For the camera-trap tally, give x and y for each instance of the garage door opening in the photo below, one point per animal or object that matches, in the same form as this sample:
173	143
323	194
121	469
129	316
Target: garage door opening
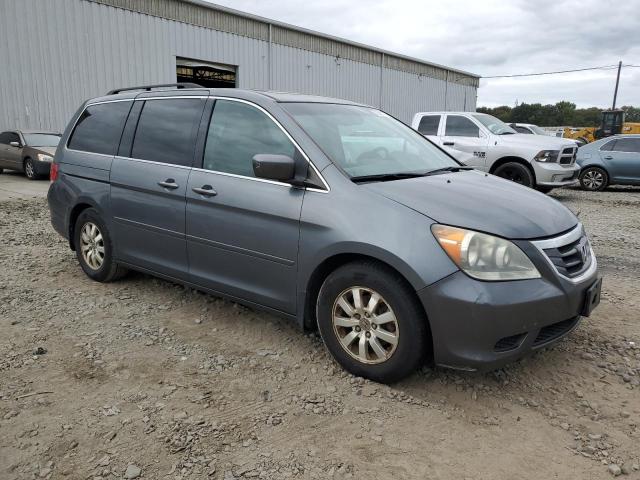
209	75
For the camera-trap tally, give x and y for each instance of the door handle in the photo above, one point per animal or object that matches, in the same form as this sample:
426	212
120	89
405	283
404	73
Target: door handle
206	191
169	183
448	144
608	157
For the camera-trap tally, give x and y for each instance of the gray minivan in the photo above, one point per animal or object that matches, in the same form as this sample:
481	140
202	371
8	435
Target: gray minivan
328	212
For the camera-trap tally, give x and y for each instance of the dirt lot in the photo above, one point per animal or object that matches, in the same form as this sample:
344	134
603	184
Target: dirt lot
146	378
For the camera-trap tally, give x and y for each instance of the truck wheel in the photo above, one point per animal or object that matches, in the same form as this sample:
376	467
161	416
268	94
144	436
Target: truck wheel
594	179
516	172
94	248
371	322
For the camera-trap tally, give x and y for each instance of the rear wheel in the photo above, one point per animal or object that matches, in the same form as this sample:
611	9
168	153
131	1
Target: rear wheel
371	322
94	248
594	179
30	169
516	172
543	189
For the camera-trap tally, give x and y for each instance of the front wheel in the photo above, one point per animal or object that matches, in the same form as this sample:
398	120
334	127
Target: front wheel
516	172
594	179
94	248
30	169
371	322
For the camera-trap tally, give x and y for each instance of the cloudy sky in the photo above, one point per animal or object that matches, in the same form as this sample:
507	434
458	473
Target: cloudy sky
491	37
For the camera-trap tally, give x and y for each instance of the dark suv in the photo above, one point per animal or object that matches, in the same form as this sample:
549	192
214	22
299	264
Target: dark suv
328	212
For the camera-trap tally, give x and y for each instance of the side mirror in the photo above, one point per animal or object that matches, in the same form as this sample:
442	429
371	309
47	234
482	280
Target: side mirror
280	168
15	144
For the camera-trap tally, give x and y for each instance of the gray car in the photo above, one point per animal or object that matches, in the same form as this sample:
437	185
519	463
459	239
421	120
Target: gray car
610	161
330	213
30	152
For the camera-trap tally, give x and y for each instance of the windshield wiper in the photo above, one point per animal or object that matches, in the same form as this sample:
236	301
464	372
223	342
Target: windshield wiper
384	177
456	168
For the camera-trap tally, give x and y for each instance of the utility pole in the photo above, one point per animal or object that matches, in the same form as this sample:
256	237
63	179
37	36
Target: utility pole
615	93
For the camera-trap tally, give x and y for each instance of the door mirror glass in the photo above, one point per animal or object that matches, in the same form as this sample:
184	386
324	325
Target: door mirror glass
280	168
15	144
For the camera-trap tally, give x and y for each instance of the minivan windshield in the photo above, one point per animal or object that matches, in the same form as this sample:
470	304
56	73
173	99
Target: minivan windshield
41	139
367	143
495	126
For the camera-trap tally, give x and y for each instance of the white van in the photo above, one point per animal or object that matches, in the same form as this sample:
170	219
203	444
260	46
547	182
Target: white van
488	144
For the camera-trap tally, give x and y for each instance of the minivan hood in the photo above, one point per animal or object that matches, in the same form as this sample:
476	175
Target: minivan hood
482	202
542	142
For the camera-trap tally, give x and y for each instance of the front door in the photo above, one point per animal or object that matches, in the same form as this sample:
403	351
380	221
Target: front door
242	232
464	140
148	186
623	161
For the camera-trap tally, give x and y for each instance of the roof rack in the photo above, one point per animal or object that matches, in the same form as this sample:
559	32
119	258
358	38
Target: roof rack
148	88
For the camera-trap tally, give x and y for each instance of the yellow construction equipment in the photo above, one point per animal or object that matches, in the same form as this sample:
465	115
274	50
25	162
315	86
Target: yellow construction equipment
612	123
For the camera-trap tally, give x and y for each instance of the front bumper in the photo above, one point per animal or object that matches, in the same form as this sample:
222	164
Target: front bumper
479	325
42	168
555	174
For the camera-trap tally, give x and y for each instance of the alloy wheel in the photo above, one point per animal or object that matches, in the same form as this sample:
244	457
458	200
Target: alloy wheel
593	179
28	169
365	325
92	245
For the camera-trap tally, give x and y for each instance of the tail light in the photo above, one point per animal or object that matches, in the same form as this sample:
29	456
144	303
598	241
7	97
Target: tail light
53	173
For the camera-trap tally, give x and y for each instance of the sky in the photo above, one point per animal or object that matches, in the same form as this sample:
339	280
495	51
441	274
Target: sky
489	37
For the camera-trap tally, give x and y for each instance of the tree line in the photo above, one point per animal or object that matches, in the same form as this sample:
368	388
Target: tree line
560	114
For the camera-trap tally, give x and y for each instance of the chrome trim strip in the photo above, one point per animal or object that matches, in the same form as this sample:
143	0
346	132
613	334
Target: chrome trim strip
562	240
570	236
152	162
255	179
109	101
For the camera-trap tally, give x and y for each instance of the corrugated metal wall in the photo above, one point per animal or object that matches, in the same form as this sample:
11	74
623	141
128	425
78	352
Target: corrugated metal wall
70	50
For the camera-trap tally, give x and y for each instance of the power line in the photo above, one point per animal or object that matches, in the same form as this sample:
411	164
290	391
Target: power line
603	67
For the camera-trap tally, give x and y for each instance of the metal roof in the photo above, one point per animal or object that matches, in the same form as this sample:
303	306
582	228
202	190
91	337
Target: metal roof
209	15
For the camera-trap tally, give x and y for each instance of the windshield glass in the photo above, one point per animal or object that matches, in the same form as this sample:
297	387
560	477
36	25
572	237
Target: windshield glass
537	130
495	126
364	141
41	139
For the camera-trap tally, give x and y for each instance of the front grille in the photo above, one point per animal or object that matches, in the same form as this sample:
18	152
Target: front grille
509	343
568	156
572	258
553	331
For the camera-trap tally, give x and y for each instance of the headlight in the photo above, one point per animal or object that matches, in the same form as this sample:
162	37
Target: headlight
45	158
483	256
547	156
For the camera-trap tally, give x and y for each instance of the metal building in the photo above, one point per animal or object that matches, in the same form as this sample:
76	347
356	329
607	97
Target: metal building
57	53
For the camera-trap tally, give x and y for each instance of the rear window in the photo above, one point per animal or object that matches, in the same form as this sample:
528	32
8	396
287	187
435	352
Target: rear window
167	130
429	124
99	128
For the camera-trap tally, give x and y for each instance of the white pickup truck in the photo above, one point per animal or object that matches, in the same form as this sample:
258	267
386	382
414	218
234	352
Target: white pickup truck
486	143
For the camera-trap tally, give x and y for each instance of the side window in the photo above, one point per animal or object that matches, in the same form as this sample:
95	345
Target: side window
99	128
607	147
238	132
167	130
4	138
458	126
429	125
631	145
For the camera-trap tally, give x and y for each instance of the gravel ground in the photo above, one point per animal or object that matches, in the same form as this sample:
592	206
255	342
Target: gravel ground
146	379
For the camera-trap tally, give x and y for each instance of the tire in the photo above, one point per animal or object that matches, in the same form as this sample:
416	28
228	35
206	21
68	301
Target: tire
1	171
543	189
30	170
581	141
401	338
594	179
516	172
94	248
